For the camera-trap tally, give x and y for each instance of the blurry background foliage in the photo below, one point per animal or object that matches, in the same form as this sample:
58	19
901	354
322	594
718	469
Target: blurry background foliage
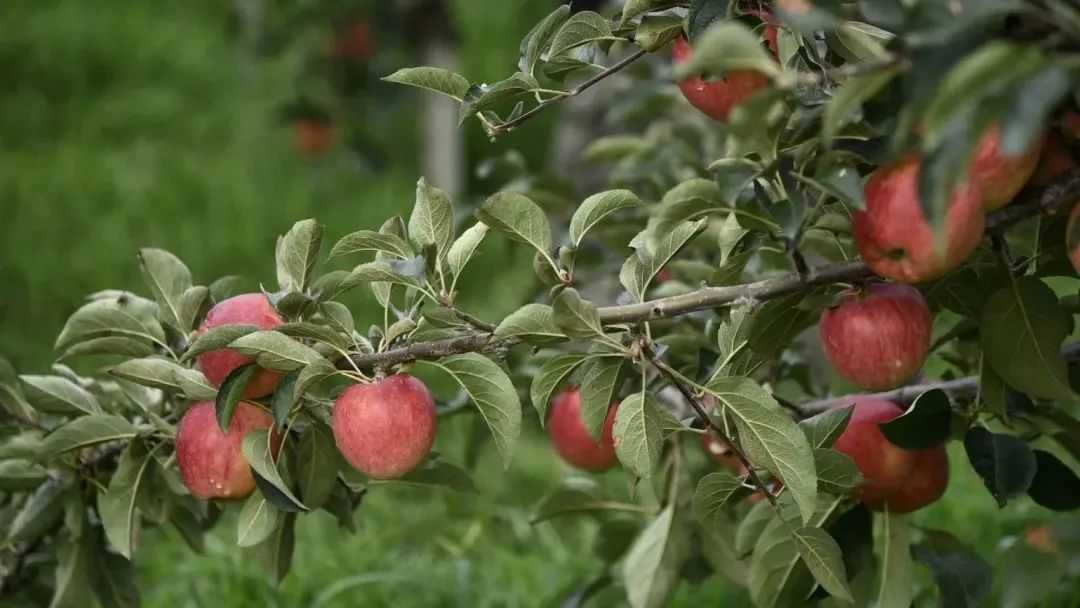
127	123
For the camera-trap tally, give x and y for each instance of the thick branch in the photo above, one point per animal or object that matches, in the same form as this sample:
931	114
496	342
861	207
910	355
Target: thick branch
906	394
1029	205
510	125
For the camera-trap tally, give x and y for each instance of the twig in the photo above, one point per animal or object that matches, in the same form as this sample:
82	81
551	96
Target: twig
848	70
510	125
906	394
1030	204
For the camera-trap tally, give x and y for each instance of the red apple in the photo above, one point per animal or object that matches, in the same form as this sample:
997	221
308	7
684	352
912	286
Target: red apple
247	309
925	484
1054	162
386	428
313	137
1072	238
884	466
1041	538
719	451
717	98
895	238
1001	177
877	337
210	461
573	441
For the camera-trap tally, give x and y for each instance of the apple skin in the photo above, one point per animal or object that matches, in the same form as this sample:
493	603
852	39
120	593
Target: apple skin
719	452
386	428
313	138
885	467
573	442
717	98
1072	238
246	309
895	238
877	338
211	462
1001	177
926	484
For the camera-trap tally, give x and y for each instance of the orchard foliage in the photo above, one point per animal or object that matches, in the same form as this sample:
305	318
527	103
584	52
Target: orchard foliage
877	135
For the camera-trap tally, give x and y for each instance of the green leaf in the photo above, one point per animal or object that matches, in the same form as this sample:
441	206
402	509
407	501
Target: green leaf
1055	486
256	450
582	28
822	555
1022	330
432	219
539	37
656	31
113	579
116	506
433	79
822	430
316	332
483	96
926	424
752	526
637	434
736	356
441	474
376	272
317	465
533	323
368	240
519	218
86	431
41	510
24	445
727	46
776	323
277	551
119	314
114	345
1005	463
170	282
861	41
54	394
651	568
284	398
596	208
714	493
548	379
296	254
846	104
837	474
217	338
771	438
20	475
71	580
274	350
232	393
154	372
338	317
897	572
258	520
494	395
651	253
575	317
962	577
599	379
195	386
464	247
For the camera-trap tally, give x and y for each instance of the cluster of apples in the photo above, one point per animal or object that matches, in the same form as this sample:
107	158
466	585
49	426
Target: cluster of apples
384	429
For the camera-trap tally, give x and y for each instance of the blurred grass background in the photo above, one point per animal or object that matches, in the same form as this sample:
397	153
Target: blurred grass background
129	123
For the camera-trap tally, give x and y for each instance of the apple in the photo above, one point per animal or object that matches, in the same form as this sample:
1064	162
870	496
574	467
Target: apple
1001	177
1041	538
313	137
895	238
719	451
572	440
877	337
925	484
210	461
247	309
884	466
386	428
717	98
1054	162
356	41
1072	238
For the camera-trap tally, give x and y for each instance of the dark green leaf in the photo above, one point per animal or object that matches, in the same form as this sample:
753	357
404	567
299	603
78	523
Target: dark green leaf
1055	485
537	40
1005	463
217	338
822	430
599	379
926	424
317	465
963	578
256	450
116	506
285	397
440	473
231	394
637	434
837	474
548	379
42	510
257	521
714	493
822	556
86	431
582	28
727	46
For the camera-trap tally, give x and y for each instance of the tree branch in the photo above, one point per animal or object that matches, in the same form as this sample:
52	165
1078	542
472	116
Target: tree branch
510	125
906	394
1029	204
